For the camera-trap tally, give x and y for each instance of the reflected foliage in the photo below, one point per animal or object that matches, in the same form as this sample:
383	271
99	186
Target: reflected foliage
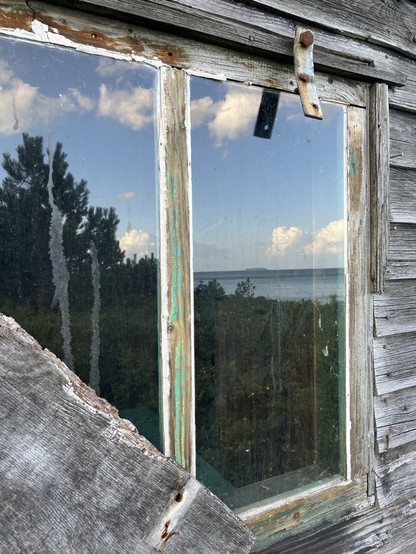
128	288
266	384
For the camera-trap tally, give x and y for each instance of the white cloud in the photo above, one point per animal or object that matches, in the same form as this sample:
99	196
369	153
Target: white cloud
235	116
202	110
84	102
230	118
283	239
109	68
137	242
133	108
126	195
328	240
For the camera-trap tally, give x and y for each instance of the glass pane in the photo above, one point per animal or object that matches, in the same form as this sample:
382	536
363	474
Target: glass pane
78	240
268	212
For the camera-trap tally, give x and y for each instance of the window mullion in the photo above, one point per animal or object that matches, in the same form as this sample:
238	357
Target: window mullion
176	334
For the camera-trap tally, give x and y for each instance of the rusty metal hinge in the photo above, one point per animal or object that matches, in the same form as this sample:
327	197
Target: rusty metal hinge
305	76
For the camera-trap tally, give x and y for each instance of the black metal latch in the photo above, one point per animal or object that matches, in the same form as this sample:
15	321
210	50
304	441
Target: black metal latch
304	72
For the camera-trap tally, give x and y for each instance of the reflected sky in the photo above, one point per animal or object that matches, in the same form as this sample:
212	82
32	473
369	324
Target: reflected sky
102	112
276	203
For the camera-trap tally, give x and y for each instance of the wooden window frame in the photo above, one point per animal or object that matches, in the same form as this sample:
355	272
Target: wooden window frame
367	125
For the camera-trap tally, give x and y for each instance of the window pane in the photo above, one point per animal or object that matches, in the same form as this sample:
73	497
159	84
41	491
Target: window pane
78	243
268	212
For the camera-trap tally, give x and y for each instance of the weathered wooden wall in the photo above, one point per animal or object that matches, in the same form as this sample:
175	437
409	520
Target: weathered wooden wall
370	40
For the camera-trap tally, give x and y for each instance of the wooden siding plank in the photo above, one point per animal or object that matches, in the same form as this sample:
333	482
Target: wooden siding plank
403	139
402	242
403	195
395	415
75	477
247	28
395	362
176	299
395	309
379	144
379	22
396	475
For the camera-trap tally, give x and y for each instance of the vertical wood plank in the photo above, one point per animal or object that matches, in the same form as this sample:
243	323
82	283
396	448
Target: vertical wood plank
379	142
360	314
177	387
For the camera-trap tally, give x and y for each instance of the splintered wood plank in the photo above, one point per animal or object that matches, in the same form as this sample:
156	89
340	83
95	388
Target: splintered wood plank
75	477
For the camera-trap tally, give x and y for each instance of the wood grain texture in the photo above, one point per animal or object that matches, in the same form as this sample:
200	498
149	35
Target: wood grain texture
74	477
403	195
379	22
360	300
253	30
394	362
395	414
307	511
379	144
403	139
176	278
396	475
379	531
395	309
88	31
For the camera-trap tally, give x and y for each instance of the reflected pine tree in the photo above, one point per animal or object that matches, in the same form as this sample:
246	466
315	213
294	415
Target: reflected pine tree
128	288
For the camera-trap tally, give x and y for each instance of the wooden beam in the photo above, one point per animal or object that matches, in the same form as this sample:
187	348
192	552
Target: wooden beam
74	477
253	30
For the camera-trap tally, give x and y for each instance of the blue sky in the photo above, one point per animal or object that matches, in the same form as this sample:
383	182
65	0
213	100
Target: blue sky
102	110
275	203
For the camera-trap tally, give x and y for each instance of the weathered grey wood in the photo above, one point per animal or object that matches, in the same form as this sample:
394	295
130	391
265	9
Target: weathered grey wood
385	532
396	475
395	310
223	22
395	415
74	477
403	195
403	139
395	362
360	307
405	97
379	138
400	270
307	512
380	22
90	31
402	242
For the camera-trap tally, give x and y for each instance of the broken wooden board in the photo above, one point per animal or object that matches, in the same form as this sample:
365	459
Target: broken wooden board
75	477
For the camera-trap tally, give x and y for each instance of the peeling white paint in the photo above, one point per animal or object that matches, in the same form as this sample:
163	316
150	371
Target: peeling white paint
50	35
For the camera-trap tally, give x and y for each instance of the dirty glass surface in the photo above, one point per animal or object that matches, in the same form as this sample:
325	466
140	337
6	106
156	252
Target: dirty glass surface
78	248
268	214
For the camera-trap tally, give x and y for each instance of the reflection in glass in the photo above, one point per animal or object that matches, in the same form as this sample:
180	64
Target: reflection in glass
268	212
77	251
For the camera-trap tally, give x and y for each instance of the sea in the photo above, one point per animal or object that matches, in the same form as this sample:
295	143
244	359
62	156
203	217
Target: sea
282	284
